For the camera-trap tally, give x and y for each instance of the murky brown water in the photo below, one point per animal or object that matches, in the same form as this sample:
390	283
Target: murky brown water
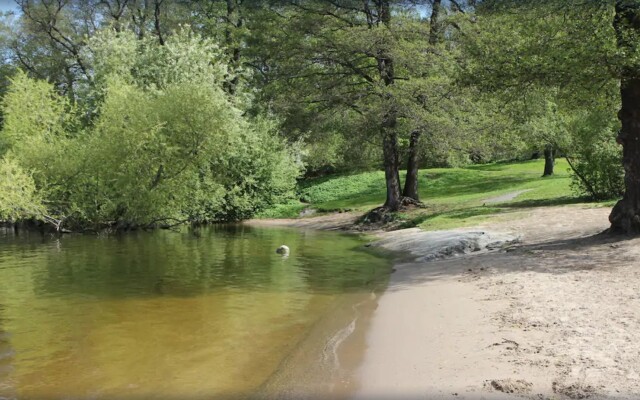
196	314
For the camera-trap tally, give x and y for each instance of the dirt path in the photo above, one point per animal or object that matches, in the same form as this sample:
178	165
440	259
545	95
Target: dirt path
506	197
556	317
332	222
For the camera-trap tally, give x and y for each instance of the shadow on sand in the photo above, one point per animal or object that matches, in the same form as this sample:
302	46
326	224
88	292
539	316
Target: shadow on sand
554	256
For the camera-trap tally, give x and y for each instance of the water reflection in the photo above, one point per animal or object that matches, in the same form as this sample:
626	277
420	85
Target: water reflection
210	312
6	360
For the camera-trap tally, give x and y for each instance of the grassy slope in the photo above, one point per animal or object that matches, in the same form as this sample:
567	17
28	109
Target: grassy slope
454	196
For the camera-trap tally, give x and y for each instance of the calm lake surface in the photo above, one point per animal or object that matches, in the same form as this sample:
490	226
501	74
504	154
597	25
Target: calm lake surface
203	313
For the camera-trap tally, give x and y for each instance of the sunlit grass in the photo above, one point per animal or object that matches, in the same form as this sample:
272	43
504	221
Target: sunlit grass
453	196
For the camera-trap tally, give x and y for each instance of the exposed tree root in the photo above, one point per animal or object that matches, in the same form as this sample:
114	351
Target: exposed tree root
385	218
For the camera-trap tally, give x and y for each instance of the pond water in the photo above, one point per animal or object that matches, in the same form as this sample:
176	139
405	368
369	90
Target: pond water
201	313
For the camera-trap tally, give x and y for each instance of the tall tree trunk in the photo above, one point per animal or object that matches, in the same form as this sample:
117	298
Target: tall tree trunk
156	21
389	121
411	180
549	160
413	159
625	216
234	23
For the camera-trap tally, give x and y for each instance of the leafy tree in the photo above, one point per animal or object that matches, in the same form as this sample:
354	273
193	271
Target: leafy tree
560	64
353	61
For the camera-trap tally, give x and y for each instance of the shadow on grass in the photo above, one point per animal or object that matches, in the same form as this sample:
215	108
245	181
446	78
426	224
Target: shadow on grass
450	184
504	165
558	201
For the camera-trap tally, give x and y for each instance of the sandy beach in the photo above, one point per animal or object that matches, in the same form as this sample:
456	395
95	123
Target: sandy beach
555	316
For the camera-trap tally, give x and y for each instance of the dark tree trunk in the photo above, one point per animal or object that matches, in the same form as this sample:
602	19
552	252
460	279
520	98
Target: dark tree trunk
390	151
156	22
625	216
389	121
411	180
549	160
234	22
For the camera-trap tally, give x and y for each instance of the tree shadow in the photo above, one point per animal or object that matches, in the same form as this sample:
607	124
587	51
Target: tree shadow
448	184
558	201
555	256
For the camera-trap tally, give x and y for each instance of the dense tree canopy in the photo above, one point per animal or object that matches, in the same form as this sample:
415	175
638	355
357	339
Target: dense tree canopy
144	113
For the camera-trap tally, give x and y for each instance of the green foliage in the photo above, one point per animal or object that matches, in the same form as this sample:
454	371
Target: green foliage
557	65
258	171
596	157
33	112
524	45
18	197
165	145
186	57
599	172
160	119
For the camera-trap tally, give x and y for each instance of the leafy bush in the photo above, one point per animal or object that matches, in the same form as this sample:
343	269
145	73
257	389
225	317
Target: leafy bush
18	197
164	143
598	172
595	157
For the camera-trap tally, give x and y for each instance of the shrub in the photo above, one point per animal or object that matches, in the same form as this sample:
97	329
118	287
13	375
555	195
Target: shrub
594	156
162	145
18	197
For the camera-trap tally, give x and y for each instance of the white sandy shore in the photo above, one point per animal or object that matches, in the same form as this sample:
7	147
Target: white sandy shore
556	317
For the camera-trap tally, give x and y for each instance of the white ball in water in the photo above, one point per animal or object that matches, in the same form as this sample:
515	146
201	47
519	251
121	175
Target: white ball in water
284	250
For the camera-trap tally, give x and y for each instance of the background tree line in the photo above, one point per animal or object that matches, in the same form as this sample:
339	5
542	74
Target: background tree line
145	112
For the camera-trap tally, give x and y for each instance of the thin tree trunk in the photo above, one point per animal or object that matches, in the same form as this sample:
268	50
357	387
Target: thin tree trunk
411	180
234	22
413	159
549	160
390	151
156	23
625	216
398	169
141	20
585	181
70	91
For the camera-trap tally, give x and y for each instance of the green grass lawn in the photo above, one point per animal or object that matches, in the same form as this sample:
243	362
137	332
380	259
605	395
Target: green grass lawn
453	196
